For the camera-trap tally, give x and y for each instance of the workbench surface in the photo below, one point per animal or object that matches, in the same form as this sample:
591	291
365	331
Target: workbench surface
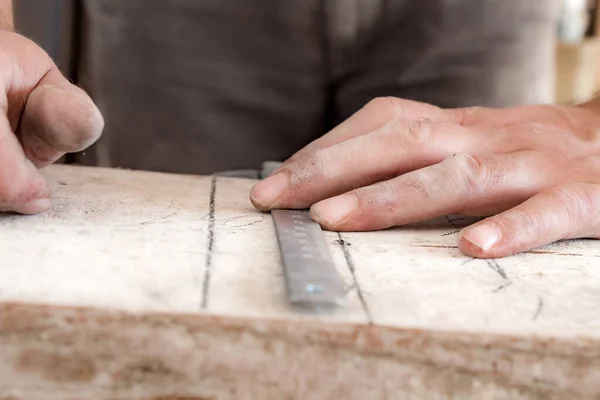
141	285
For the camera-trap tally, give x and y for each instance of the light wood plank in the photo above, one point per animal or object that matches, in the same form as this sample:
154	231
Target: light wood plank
124	240
419	278
138	286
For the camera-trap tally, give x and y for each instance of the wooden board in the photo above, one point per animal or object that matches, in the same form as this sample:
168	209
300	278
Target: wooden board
140	285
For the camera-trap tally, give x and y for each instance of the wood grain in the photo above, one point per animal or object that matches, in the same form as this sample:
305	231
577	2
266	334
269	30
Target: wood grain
140	285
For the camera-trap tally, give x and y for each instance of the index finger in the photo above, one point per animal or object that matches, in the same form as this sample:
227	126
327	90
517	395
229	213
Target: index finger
394	149
377	113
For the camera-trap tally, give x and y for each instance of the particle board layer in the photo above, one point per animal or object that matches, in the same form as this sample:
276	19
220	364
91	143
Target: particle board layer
152	286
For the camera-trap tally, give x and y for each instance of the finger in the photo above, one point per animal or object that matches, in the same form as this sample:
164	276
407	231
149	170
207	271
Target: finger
22	188
458	183
564	212
376	114
395	148
58	118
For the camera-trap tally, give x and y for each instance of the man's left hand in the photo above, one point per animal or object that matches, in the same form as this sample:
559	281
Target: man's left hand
534	171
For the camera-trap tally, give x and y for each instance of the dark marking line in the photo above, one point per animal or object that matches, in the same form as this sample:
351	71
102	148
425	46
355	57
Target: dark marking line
350	263
502	287
342	242
493	264
451	233
158	219
467	261
211	241
538	311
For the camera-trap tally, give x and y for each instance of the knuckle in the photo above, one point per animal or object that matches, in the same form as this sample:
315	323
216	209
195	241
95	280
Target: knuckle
467	162
416	135
473	111
386	105
469	115
477	173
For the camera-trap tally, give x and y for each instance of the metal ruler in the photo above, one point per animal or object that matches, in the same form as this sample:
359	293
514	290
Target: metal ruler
311	277
312	280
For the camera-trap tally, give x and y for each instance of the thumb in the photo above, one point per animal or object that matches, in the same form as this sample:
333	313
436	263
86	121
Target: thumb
58	118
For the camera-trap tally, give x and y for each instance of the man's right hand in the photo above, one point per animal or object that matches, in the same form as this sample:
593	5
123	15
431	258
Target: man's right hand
43	116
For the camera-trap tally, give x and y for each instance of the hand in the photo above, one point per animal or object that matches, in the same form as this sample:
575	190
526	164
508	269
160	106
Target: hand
534	169
42	117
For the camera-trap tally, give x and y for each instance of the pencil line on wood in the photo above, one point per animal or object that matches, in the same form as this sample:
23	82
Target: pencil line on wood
502	287
210	242
451	233
538	311
351	267
493	264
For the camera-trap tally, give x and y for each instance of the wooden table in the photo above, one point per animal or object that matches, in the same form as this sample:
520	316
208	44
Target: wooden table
140	285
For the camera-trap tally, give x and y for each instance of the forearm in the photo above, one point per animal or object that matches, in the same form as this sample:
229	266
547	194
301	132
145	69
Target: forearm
6	15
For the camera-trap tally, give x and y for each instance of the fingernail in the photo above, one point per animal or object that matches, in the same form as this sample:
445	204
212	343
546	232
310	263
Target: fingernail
35	206
483	236
332	211
266	192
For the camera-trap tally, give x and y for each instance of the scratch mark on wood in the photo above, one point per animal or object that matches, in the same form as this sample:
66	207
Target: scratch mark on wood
502	287
493	264
350	263
153	221
538	311
211	242
243	220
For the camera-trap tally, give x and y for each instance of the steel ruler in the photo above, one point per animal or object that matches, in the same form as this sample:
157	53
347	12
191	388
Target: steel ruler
311	278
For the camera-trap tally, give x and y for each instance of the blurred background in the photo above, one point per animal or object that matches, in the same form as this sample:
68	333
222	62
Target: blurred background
62	28
59	27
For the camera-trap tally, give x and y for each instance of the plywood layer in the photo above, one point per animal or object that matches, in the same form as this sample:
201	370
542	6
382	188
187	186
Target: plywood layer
140	285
